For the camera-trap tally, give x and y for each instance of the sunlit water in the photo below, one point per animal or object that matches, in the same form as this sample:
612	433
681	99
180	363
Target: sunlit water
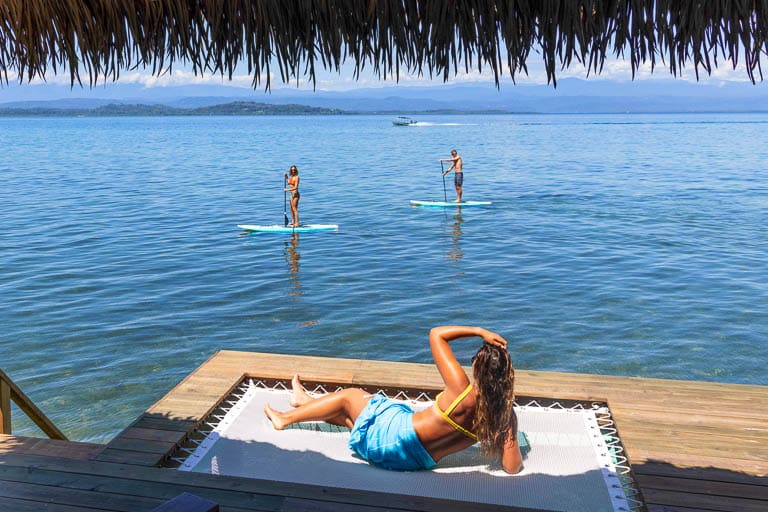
626	245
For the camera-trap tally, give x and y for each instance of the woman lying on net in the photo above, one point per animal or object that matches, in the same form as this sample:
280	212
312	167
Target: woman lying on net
390	434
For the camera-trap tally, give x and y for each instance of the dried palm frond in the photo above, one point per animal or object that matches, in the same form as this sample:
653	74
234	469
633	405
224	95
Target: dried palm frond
102	38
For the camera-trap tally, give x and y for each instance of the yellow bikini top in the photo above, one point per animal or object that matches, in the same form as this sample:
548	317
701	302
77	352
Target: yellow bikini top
446	413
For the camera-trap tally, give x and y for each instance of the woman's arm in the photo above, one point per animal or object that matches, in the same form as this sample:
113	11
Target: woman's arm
439	342
511	458
293	185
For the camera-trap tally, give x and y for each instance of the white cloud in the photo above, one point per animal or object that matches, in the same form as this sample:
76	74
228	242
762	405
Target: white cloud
614	69
178	77
184	77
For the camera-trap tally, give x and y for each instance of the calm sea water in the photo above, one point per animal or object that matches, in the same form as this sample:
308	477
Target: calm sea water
626	245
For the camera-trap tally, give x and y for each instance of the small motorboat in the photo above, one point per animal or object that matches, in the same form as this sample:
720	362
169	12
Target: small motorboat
403	121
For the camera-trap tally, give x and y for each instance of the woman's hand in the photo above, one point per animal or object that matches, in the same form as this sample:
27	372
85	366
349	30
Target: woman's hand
451	371
448	333
493	338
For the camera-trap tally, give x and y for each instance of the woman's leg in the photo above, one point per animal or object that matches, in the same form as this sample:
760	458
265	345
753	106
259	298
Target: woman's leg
345	405
299	397
295	210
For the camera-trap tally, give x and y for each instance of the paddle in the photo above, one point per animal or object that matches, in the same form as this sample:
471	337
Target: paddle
442	170
285	200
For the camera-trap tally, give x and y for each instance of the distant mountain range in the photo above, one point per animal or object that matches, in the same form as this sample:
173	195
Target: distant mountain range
81	108
571	96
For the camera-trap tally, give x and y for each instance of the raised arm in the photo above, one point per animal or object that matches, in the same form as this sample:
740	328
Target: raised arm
439	342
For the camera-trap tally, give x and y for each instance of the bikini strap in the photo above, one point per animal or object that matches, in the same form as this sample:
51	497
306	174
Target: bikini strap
458	400
450	409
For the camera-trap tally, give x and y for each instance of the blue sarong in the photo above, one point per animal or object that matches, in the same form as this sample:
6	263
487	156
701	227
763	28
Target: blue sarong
383	435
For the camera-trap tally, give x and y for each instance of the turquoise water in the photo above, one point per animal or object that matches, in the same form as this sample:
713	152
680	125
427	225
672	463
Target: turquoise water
626	245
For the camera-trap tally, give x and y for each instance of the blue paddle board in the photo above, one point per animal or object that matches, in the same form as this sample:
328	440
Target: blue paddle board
276	228
450	203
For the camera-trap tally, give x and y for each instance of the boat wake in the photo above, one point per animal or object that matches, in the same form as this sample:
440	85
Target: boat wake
423	123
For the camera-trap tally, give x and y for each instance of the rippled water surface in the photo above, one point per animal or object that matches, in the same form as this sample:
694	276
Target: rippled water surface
627	245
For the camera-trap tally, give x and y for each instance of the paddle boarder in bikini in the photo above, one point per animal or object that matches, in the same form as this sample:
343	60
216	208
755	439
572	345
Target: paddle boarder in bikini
458	172
293	187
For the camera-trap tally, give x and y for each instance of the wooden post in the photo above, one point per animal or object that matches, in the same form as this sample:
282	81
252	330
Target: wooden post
10	391
5	407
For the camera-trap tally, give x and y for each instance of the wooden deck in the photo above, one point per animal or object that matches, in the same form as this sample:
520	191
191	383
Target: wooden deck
693	446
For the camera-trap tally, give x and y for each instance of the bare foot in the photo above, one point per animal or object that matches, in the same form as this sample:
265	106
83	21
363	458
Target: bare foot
299	395
457	200
274	417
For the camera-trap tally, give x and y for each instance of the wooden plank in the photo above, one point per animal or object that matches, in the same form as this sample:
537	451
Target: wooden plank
305	505
708	487
149	459
685	439
187	407
284	366
15	505
187	396
667	508
662	406
186	411
639	456
659	402
202	382
701	473
148	434
5	407
721	404
659	439
675	499
158	422
186	502
48	447
644	382
142	445
43	494
641	413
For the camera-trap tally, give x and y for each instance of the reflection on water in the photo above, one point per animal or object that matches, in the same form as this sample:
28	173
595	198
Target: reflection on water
292	257
455	252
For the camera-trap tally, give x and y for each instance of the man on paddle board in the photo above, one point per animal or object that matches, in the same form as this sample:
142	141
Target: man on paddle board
458	172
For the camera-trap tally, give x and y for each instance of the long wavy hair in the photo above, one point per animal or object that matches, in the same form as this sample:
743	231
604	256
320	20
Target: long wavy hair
495	419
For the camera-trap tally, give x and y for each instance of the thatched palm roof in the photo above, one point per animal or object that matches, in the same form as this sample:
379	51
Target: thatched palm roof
438	38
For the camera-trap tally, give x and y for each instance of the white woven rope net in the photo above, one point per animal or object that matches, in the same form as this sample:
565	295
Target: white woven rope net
617	472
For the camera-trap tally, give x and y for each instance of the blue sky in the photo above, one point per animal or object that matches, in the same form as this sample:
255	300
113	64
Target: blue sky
615	70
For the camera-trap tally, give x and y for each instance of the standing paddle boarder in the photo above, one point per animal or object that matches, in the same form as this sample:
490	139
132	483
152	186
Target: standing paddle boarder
293	187
458	172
